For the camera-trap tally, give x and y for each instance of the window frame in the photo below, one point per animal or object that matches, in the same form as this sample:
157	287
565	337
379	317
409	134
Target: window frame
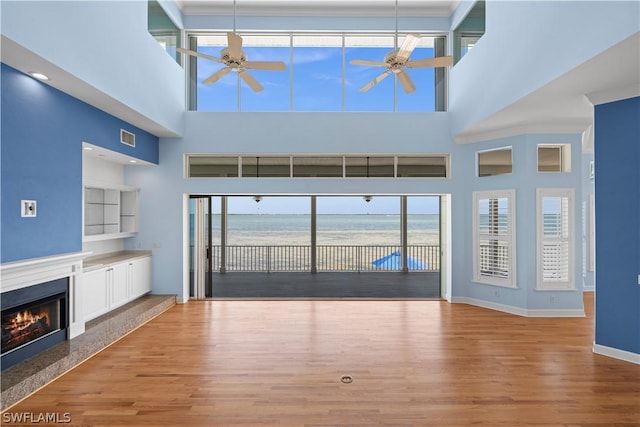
493	150
509	239
441	81
292	164
564	157
541	239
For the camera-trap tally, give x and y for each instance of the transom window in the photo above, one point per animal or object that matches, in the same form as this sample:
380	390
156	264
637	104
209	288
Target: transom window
316	166
554	158
495	162
318	74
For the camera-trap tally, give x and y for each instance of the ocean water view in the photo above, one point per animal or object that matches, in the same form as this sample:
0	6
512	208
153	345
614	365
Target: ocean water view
332	229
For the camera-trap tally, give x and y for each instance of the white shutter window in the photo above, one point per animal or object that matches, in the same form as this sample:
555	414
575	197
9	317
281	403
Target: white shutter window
555	228
494	237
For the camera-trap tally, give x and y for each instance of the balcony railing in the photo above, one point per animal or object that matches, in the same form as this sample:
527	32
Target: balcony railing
328	258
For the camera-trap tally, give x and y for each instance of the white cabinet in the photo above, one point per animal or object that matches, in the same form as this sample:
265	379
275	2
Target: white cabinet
95	294
109	212
111	286
118	278
141	277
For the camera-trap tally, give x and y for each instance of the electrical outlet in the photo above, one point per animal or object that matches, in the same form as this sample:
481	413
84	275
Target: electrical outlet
496	294
552	299
28	208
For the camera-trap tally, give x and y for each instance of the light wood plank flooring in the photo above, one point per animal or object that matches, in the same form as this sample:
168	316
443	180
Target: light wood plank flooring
422	363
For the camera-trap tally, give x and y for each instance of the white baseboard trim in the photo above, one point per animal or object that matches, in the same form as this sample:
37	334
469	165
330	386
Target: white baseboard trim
519	311
569	312
490	305
627	356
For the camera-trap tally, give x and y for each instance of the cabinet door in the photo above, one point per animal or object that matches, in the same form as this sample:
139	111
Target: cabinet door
95	293
141	283
119	284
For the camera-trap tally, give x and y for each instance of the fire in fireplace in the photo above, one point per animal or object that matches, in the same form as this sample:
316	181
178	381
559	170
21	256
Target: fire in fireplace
29	323
33	319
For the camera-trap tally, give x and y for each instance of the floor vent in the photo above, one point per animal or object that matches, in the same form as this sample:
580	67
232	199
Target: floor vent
127	138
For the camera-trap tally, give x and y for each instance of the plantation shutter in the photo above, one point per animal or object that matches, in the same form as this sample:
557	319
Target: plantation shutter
555	240
494	237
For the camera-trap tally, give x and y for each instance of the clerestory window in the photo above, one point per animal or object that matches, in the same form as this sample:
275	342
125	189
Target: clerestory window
318	75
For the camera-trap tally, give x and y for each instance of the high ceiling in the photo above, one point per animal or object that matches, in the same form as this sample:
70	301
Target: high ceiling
319	7
565	105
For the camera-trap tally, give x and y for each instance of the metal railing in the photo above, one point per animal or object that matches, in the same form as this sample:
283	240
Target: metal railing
355	258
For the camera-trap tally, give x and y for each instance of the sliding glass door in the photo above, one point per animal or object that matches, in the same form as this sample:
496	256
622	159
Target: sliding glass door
201	236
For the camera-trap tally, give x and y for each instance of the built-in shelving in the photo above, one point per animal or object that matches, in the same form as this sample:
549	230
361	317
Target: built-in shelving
110	212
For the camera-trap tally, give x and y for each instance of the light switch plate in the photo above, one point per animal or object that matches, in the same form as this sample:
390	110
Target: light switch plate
28	208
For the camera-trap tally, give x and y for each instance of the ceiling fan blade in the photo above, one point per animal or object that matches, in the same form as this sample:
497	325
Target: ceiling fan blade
199	55
216	76
235	45
441	61
406	82
250	80
368	63
375	81
264	65
409	44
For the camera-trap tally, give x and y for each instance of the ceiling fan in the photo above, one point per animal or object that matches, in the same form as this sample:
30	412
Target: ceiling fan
396	60
235	59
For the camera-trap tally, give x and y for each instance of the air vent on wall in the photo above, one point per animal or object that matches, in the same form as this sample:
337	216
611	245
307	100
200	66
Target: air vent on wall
127	138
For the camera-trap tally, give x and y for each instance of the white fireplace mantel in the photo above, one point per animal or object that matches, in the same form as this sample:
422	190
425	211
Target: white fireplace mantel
20	274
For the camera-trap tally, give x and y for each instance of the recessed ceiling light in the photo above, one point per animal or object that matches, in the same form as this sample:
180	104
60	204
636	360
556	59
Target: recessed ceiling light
38	76
133	161
88	148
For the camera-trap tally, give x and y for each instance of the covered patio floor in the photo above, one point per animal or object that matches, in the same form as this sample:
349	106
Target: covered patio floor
327	285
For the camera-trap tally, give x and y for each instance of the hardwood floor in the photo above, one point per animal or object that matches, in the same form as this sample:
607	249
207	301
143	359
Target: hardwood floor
425	363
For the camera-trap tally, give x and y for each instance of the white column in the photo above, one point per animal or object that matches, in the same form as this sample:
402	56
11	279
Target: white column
314	260
403	233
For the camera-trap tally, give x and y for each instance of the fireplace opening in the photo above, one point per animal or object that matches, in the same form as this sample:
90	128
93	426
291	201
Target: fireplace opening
33	319
29	322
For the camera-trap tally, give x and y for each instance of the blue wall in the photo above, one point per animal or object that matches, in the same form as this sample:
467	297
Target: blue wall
42	130
617	182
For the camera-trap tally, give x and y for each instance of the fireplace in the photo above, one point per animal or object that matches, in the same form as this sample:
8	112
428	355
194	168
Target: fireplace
34	318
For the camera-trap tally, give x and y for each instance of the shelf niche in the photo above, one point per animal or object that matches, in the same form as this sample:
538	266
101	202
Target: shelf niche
109	213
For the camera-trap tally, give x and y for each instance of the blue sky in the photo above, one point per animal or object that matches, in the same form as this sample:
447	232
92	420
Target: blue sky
317	82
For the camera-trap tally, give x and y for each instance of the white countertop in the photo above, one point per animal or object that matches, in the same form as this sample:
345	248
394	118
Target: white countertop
111	258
